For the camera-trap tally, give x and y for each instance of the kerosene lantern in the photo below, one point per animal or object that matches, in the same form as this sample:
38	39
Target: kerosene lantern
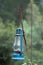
18	47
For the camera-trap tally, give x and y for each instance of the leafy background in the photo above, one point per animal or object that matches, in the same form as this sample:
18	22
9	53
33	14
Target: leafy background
9	22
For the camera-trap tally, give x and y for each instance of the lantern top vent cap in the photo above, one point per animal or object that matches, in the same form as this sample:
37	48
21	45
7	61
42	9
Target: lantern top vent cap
19	28
19	31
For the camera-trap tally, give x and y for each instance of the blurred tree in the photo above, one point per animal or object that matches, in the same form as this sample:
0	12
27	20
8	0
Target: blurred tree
7	34
9	8
8	18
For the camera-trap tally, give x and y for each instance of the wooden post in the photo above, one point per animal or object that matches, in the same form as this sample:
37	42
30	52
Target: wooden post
20	14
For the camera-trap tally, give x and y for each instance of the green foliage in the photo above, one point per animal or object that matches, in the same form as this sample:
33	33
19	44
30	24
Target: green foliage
7	33
5	55
9	8
8	19
37	27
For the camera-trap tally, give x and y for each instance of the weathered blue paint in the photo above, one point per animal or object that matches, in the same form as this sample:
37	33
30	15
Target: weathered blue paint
19	56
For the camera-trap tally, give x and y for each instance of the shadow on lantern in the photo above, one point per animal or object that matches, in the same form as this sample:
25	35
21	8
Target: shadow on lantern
18	49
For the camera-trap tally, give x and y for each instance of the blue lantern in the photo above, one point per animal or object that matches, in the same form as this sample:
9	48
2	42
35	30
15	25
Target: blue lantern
18	50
